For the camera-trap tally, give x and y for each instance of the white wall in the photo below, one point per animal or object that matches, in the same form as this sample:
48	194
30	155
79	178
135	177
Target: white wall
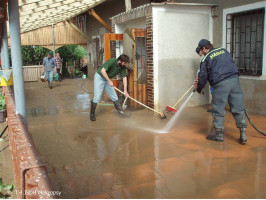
177	31
136	23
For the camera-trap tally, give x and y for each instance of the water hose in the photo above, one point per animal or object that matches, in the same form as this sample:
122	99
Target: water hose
249	119
83	83
253	124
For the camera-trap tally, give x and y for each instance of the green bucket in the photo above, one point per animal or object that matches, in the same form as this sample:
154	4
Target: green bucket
56	76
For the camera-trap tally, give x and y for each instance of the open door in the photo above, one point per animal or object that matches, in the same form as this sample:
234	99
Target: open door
137	78
133	44
113	47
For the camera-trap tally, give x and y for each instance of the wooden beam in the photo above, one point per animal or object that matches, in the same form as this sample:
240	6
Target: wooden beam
39	21
53	9
38	13
77	29
94	14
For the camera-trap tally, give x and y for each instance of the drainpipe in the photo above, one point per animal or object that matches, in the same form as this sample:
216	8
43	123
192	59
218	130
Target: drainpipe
53	39
5	47
2	55
16	52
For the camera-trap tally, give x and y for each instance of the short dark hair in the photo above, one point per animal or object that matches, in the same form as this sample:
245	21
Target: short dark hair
198	50
123	58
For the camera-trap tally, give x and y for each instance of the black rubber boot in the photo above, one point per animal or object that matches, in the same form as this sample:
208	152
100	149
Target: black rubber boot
119	109
243	138
93	108
218	137
49	84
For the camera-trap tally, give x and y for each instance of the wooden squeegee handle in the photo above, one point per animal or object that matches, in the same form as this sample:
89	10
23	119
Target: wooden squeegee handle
183	96
124	102
138	101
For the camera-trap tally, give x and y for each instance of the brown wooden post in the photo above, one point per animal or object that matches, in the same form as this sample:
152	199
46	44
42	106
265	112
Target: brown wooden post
140	95
144	91
131	86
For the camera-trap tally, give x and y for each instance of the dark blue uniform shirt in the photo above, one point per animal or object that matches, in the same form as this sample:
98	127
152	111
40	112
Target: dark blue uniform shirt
216	66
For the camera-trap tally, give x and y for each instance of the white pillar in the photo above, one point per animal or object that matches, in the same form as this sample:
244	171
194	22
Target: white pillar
128	5
5	47
16	56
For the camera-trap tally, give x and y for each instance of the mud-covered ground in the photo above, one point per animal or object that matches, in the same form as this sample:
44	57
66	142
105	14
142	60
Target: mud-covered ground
130	158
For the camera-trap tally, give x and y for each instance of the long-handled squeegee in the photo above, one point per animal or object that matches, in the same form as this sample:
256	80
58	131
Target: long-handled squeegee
162	115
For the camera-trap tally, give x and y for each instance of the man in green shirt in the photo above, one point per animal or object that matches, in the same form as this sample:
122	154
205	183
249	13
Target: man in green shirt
102	80
70	65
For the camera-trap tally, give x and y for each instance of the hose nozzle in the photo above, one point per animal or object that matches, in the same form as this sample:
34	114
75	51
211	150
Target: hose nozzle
196	90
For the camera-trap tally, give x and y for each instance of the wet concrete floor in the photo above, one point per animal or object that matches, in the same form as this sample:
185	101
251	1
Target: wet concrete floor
127	158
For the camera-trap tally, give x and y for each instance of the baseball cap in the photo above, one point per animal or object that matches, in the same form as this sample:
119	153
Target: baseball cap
50	53
203	43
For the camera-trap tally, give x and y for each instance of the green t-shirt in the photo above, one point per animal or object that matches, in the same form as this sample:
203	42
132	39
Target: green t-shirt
70	62
112	68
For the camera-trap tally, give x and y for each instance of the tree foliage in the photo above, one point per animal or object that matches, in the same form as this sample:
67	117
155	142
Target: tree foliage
77	52
34	55
5	188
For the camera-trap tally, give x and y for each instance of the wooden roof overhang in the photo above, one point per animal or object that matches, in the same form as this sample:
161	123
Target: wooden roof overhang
35	14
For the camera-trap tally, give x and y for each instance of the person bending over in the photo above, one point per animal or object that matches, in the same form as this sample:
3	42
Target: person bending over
102	81
219	69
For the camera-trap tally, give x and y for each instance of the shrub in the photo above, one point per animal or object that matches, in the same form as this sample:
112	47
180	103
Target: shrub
2	102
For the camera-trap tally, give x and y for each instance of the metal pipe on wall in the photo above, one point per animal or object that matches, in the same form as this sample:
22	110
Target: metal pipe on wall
53	40
2	55
16	52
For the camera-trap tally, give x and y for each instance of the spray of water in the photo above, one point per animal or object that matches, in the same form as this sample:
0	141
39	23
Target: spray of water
152	130
170	124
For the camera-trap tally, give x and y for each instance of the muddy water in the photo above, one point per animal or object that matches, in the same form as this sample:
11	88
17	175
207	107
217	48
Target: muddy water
125	158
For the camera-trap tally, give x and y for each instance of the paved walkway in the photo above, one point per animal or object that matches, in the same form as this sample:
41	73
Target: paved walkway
128	158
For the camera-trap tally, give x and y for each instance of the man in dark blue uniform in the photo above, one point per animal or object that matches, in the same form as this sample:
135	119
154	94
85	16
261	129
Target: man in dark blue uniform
219	69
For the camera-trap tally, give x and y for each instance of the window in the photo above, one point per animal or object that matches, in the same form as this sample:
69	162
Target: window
244	39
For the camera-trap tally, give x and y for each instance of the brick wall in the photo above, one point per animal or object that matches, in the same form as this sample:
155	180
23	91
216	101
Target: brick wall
29	171
149	49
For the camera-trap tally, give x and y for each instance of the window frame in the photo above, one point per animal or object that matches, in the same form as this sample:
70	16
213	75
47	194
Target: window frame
247	8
